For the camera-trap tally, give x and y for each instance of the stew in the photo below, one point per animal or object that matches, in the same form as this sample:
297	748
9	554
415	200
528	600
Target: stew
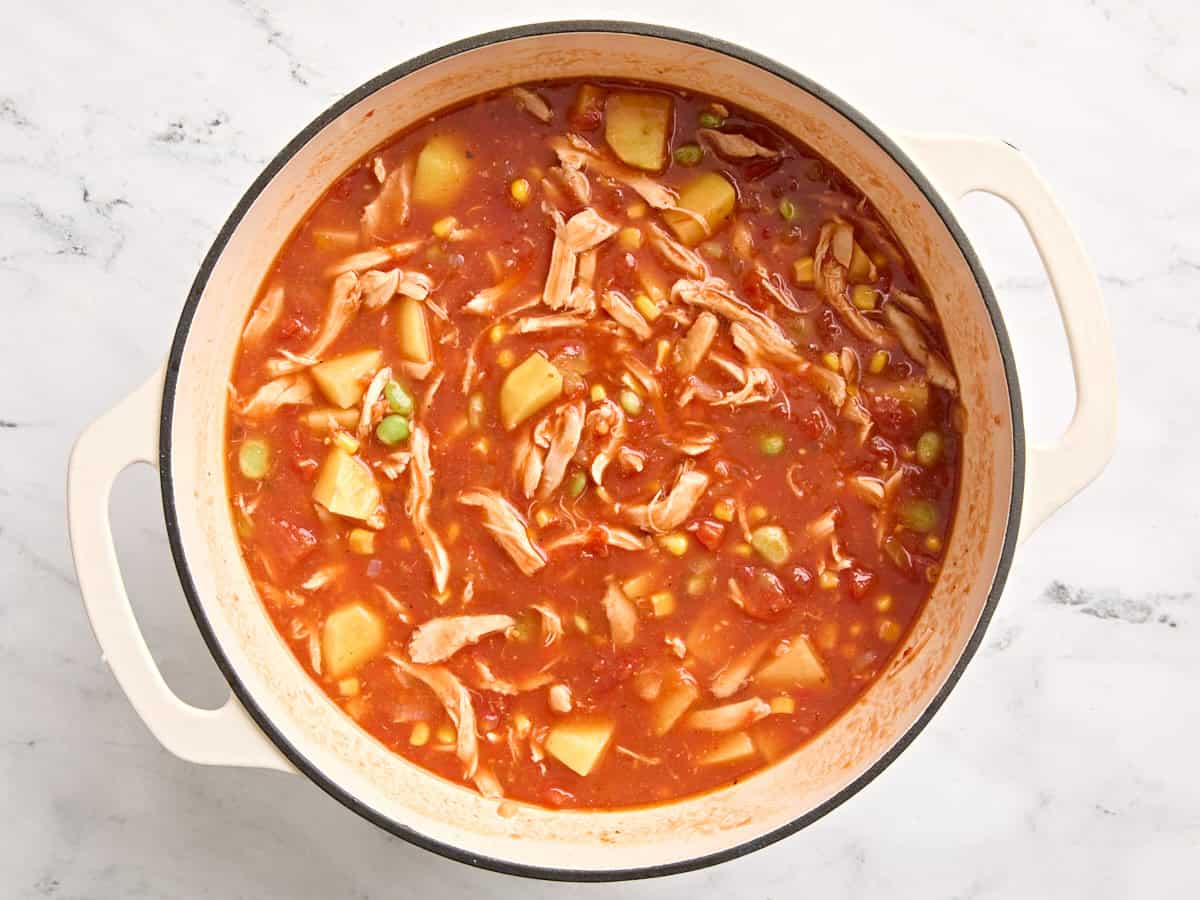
593	444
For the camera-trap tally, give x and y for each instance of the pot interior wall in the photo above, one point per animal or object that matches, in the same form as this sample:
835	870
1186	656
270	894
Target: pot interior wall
392	787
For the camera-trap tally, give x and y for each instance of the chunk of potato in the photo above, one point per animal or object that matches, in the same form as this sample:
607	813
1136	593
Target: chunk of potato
319	420
579	743
413	331
344	378
636	127
353	635
528	388
346	486
731	748
442	171
913	393
588	109
676	698
798	666
862	269
711	197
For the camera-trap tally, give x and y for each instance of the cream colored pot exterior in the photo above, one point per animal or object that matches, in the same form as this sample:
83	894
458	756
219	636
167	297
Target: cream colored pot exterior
310	733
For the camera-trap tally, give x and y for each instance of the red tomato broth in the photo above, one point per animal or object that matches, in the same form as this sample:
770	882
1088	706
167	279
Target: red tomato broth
853	626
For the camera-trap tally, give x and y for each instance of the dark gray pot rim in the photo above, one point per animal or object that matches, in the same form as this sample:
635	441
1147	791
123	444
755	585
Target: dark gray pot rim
294	754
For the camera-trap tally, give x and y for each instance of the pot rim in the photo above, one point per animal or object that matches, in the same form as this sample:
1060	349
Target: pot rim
485	39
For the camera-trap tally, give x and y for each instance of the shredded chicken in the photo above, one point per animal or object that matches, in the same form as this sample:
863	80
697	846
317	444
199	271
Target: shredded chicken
552	626
575	152
611	535
773	286
606	419
914	305
631	460
457	700
484	302
416	506
913	340
558	698
583	295
734	146
831	267
730	677
868	488
675	254
390	208
528	461
507	527
369	259
695	439
690	351
621	308
416	285
587	229
489	681
666	513
758	387
378	287
533	104
488	784
566	429
322	577
554	322
345	298
622	615
439	639
266	314
287	390
370	401
824	524
574	181
644	375
731	716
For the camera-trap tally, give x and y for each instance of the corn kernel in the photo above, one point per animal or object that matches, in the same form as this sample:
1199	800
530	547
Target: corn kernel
802	270
933	543
543	517
742	549
442	227
698	585
663	603
445	734
652	285
879	361
889	630
675	543
783	706
520	190
522	725
827	636
724	509
361	541
828	579
349	687
506	358
346	441
646	307
662	349
757	513
581	623
635	210
453	530
638	585
883	602
496	334
864	296
832	361
630	238
855	629
598	393
419	736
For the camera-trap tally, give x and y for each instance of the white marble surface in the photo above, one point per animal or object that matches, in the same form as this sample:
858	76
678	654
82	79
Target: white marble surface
1065	763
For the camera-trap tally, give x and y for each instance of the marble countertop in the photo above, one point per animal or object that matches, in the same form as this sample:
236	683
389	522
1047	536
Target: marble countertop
1065	762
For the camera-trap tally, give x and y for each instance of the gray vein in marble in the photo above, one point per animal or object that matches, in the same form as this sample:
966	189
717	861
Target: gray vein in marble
1117	606
297	70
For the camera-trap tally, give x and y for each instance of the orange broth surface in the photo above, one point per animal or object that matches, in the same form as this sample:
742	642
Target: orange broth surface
862	491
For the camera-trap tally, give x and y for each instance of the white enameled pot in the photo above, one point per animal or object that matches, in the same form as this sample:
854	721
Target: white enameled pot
279	719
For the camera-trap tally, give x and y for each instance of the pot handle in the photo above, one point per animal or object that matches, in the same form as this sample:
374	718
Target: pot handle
125	435
1054	473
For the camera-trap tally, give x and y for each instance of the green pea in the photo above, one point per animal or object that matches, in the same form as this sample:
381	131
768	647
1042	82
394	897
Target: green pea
771	443
392	430
709	119
929	448
631	402
919	516
788	209
772	544
399	400
254	459
576	484
688	154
